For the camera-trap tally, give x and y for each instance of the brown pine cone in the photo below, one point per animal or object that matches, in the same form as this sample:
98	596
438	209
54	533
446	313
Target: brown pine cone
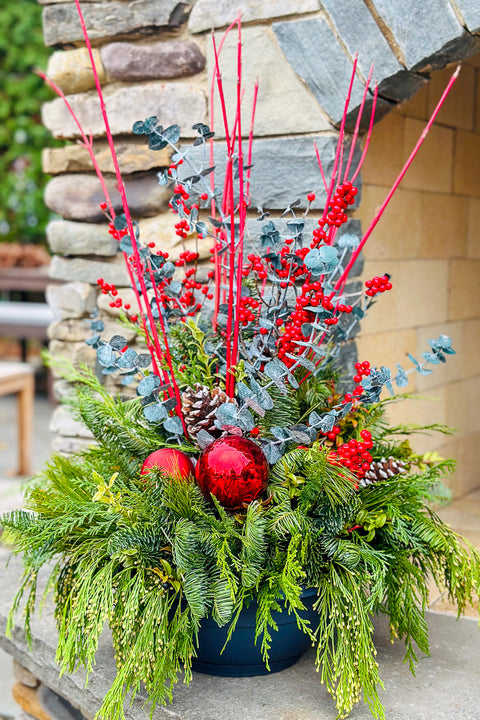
383	469
199	405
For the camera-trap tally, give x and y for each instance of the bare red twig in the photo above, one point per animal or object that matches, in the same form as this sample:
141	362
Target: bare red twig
121	188
397	182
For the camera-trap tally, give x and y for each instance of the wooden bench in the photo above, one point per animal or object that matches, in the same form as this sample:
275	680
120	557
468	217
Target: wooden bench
17	378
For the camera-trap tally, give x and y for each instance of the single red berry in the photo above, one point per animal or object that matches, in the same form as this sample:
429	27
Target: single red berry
311	197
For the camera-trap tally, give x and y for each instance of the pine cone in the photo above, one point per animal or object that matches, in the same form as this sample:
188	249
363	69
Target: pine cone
383	469
199	405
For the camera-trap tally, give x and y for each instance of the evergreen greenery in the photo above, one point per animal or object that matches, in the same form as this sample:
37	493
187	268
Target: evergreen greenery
152	557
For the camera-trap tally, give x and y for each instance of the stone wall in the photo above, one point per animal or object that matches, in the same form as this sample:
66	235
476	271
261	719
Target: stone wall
155	58
429	241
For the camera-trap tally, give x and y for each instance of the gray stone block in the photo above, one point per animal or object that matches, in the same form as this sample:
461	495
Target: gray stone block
106	19
78	197
63	422
74	238
284	169
208	14
167	59
78	354
74	330
70	329
133	155
72	300
427	33
172	103
315	54
361	35
87	271
470	10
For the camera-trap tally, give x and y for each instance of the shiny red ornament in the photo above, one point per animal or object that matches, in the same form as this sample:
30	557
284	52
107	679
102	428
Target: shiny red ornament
234	470
173	462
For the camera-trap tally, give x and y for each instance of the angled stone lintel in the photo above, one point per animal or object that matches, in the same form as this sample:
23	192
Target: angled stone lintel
428	34
361	36
313	51
470	12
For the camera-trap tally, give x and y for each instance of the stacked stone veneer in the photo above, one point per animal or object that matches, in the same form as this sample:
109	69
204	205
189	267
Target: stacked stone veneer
154	58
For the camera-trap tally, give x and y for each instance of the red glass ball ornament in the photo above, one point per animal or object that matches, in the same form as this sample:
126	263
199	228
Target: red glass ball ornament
234	469
173	462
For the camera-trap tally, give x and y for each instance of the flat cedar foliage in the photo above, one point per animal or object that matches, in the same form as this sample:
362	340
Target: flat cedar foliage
150	556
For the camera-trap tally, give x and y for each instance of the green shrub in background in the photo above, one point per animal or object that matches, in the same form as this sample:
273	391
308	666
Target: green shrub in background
23	215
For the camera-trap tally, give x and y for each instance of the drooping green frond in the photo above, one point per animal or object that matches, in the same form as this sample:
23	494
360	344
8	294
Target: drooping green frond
152	556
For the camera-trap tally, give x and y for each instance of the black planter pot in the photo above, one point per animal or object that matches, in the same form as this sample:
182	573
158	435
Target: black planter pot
241	657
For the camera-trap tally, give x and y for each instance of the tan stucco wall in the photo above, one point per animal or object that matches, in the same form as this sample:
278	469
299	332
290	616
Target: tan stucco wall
429	241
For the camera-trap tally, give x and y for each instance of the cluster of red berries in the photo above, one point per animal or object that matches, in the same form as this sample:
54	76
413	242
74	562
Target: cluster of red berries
117	234
255	265
107	288
354	455
336	216
332	434
188	299
290	270
186	257
378	284
245	314
311	296
319	235
117	302
362	369
182	228
180	190
174	165
343	197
